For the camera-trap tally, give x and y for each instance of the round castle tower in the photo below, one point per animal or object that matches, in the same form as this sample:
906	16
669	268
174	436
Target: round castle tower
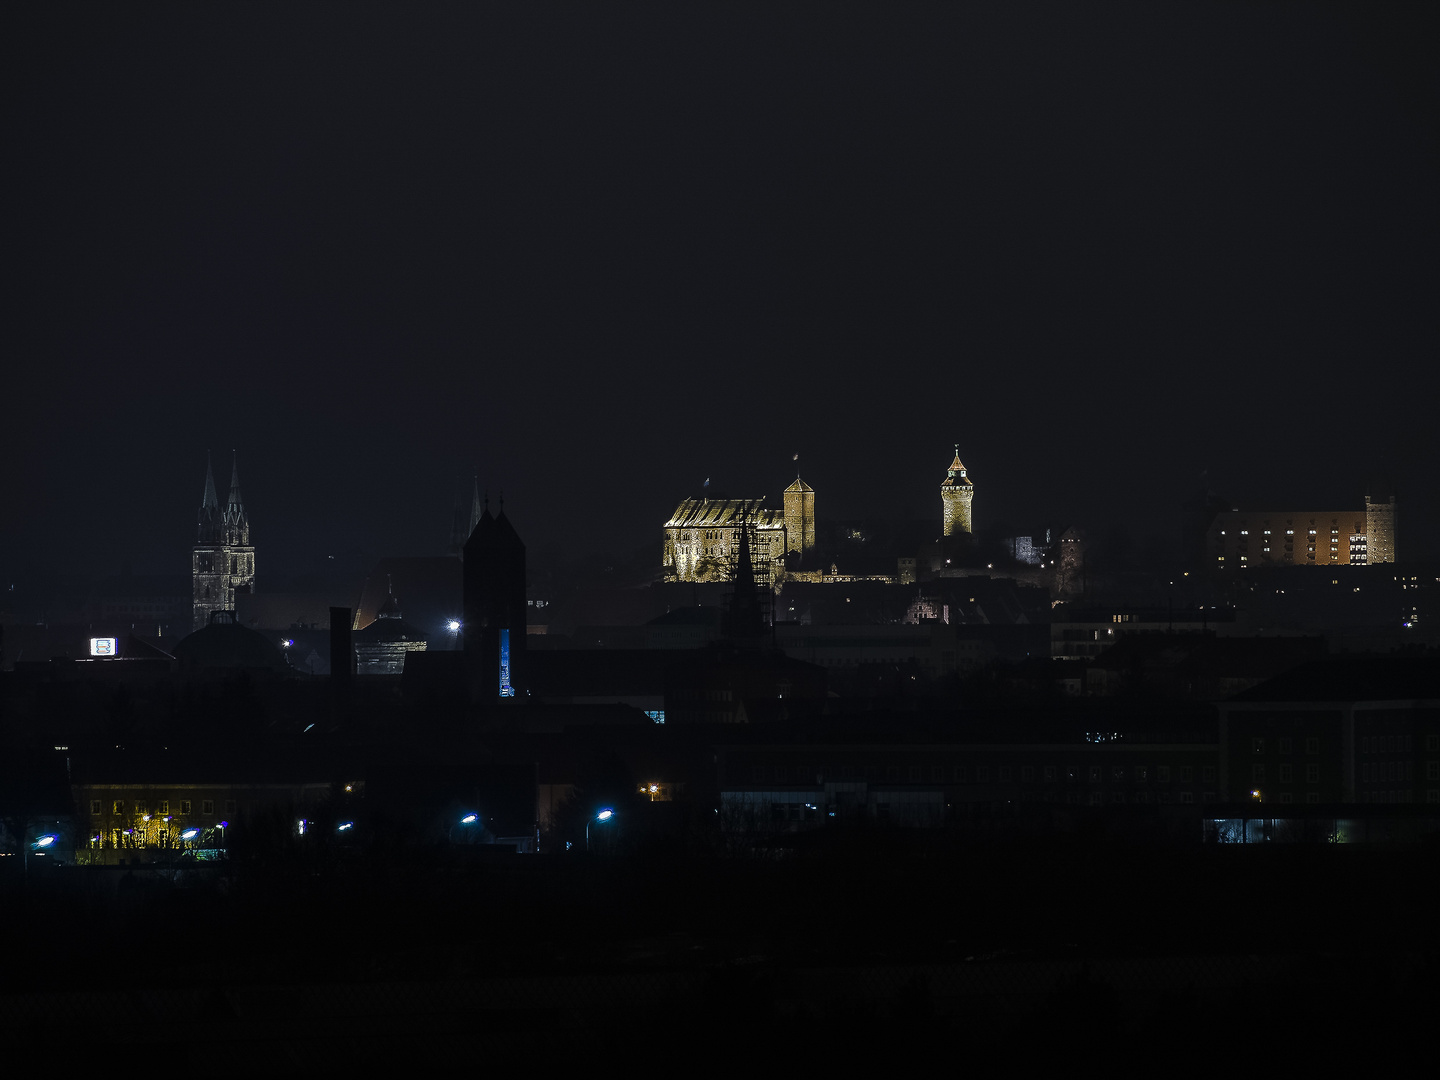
956	495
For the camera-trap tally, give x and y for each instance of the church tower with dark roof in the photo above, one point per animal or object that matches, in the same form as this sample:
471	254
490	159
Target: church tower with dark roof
956	495
222	563
493	586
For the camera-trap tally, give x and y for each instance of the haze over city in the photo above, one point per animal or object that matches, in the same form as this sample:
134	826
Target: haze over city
599	256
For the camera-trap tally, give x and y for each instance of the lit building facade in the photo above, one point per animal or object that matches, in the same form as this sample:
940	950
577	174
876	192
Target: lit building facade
1239	540
702	537
381	647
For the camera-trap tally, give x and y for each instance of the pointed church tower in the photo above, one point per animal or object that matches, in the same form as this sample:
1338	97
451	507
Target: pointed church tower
237	525
212	522
745	617
460	524
475	507
493	586
222	562
956	495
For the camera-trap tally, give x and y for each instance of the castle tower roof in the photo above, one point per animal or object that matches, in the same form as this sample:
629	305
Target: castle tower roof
799	485
955	475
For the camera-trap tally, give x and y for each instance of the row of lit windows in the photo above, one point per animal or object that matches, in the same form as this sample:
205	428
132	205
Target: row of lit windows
162	807
1395	772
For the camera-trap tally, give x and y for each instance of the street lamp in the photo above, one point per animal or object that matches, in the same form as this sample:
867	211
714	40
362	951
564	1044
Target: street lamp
603	815
470	818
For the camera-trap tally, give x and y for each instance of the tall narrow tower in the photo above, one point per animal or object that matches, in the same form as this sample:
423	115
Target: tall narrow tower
493	588
1380	527
799	516
222	562
956	495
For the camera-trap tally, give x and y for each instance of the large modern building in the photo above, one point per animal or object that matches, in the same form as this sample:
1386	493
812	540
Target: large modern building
1241	539
223	560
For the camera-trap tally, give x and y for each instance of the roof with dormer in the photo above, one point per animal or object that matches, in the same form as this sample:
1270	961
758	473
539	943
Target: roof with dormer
724	513
955	475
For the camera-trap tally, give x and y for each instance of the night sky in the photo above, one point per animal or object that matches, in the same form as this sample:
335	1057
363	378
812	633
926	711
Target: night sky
602	252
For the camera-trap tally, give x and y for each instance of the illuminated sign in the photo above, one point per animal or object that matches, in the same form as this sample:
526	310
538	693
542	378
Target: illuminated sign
506	690
103	646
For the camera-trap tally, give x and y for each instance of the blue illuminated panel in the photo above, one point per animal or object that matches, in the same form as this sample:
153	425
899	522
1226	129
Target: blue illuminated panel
506	690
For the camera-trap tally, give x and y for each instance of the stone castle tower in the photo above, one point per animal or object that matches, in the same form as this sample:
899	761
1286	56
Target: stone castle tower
1380	529
222	562
799	516
956	495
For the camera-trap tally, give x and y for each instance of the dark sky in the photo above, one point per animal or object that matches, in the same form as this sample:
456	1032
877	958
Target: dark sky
602	252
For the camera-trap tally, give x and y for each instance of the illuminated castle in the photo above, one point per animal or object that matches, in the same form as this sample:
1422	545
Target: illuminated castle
1239	540
956	495
223	561
703	536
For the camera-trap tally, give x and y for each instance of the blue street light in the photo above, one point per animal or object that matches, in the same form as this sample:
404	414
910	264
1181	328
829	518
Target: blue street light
470	819
603	815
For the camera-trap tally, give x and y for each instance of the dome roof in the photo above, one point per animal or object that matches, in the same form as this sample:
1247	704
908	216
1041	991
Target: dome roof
226	645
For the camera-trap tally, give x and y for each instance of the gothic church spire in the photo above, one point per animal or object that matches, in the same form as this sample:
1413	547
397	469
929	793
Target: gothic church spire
209	519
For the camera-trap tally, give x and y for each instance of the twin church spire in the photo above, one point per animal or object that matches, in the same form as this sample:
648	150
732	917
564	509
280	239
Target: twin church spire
223	561
232	525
